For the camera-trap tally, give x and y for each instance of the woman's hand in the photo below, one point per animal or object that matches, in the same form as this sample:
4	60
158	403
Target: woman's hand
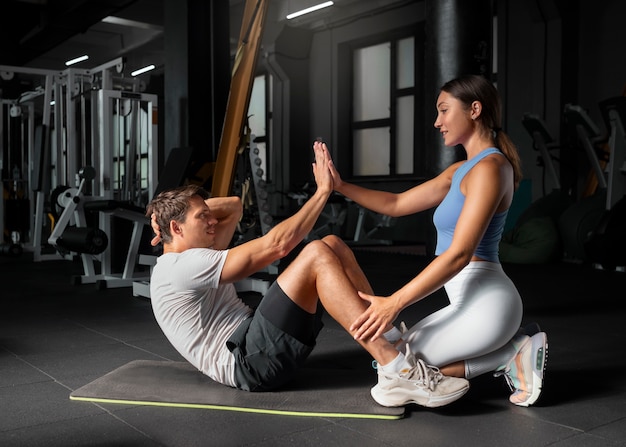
156	240
373	323
337	182
323	177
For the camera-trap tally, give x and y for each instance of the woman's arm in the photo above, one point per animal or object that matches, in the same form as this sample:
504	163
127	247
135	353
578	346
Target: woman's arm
419	198
484	190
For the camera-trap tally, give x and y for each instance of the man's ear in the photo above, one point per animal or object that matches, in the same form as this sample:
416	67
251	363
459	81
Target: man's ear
175	228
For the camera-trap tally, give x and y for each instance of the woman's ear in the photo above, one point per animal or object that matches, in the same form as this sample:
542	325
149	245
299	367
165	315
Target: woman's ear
476	109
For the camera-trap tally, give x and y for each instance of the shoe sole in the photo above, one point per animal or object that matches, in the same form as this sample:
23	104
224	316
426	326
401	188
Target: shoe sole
429	402
540	350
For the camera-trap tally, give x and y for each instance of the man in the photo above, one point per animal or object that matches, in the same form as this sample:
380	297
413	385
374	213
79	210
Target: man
196	305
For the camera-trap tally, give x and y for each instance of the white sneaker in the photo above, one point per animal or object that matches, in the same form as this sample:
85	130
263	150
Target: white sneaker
421	384
524	372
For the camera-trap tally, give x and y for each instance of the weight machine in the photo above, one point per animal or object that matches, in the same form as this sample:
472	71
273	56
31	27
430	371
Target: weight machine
583	216
606	244
89	118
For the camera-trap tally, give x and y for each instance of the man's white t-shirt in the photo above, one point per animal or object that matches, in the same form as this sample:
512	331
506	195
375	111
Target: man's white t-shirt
195	312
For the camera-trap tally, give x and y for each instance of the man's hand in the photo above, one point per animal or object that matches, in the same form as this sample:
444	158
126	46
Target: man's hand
156	240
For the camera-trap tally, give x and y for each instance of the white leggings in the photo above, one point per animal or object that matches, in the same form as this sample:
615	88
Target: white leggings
484	314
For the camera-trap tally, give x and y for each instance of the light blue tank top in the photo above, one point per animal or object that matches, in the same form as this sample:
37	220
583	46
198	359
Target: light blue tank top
447	214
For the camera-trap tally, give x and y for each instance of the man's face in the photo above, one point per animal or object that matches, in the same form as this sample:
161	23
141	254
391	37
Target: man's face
198	230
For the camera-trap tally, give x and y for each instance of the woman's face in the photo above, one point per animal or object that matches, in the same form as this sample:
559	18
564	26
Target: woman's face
454	121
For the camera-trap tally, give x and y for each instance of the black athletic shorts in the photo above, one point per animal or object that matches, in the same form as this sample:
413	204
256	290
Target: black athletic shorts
272	345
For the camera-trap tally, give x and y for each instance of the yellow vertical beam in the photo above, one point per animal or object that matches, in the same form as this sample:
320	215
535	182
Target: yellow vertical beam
239	95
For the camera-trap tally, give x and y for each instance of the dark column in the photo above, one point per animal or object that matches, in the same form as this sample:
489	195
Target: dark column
173	112
197	75
209	74
458	42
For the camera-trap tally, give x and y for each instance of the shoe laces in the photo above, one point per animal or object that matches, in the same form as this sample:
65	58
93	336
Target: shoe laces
511	381
427	375
507	378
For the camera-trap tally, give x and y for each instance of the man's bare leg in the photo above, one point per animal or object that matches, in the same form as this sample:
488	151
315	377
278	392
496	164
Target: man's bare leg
318	272
350	265
352	268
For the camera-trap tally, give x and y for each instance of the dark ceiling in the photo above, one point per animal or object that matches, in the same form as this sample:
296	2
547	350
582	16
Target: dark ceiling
32	28
44	34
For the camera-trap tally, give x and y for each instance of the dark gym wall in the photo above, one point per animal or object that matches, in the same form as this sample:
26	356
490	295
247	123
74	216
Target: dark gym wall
197	75
174	111
291	54
552	52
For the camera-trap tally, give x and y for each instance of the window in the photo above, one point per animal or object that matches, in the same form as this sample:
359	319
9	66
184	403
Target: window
257	118
382	116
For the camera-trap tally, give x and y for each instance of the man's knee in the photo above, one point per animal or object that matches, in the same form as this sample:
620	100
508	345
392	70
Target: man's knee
315	248
339	247
318	252
333	240
336	244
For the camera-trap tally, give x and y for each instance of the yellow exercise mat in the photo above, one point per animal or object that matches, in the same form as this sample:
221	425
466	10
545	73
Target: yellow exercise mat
314	392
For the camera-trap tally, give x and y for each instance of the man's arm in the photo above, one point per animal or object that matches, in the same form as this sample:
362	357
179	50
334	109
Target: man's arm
248	258
227	211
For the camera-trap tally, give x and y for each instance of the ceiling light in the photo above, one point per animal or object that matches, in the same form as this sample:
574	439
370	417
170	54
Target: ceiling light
77	60
142	70
308	10
131	23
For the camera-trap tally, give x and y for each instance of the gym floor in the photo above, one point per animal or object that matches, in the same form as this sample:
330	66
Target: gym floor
56	337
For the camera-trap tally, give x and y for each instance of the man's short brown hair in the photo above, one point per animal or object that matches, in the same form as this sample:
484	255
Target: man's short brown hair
171	205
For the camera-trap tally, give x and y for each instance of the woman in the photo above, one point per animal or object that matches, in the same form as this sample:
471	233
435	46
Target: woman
479	331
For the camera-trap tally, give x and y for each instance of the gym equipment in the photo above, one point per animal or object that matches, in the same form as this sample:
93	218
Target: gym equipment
614	114
315	392
535	238
606	244
98	119
585	131
330	220
582	217
16	127
73	234
363	234
239	98
544	143
11	249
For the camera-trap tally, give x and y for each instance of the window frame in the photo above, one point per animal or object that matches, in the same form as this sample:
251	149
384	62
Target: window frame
345	121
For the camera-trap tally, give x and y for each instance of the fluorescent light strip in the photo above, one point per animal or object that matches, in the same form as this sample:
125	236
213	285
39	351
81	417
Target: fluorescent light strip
142	70
308	10
131	23
77	60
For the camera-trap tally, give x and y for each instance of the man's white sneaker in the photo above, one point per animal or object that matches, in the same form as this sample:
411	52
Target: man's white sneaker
421	384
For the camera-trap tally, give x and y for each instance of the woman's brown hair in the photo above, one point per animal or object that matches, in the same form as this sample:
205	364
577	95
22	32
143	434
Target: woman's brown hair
470	88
